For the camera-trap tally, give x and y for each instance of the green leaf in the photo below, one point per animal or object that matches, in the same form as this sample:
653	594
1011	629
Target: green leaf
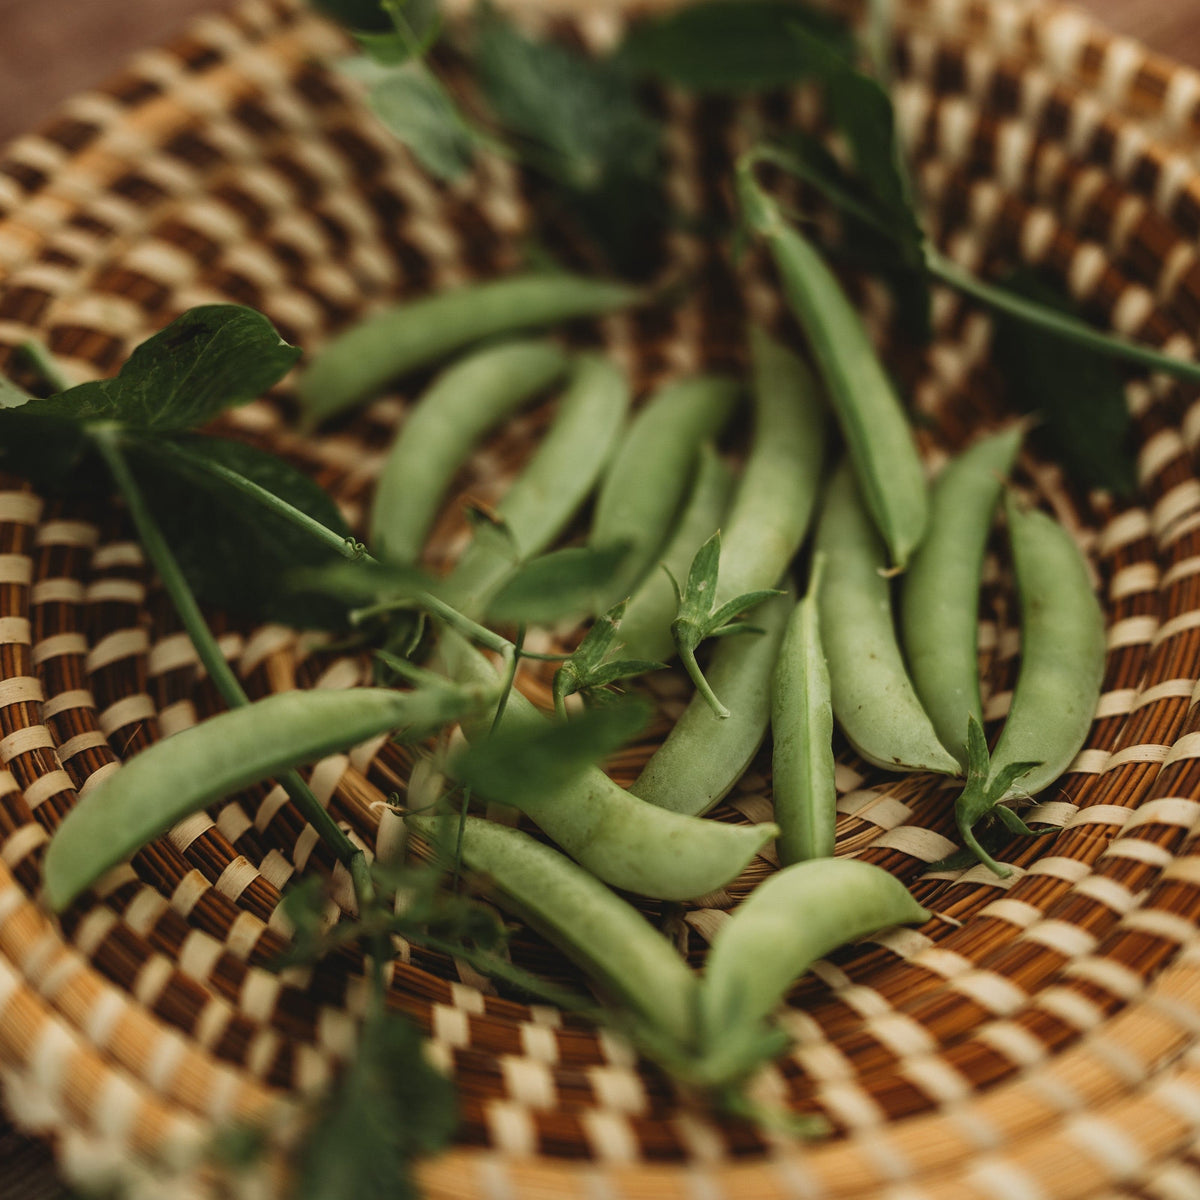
730	46
1078	392
555	585
355	14
415	107
414	28
533	762
235	554
587	671
862	111
577	121
389	1107
209	359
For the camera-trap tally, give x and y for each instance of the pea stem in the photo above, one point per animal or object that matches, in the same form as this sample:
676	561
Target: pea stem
108	442
347	548
1065	326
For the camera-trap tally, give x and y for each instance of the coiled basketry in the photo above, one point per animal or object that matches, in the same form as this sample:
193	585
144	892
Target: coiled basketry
1038	1038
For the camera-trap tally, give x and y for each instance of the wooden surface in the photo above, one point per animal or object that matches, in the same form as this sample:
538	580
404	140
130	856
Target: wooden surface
50	49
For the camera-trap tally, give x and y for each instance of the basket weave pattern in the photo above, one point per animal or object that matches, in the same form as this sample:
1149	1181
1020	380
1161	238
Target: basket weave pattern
1039	1037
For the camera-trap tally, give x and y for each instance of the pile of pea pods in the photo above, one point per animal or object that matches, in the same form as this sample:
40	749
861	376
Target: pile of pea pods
903	687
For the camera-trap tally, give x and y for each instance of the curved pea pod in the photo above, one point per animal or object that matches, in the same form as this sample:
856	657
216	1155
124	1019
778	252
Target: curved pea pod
940	592
630	961
878	436
1062	653
418	333
777	492
622	840
645	629
794	917
802	763
197	766
455	411
648	479
553	485
705	755
873	697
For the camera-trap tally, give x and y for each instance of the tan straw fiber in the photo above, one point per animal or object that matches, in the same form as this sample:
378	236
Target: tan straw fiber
1037	1039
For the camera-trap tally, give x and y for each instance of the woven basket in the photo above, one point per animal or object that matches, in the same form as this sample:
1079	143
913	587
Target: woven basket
1038	1039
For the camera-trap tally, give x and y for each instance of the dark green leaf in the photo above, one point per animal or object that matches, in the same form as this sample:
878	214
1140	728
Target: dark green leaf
209	359
234	553
576	120
1078	392
537	761
730	46
862	111
555	585
700	590
619	669
355	14
360	584
411	34
415	107
389	1107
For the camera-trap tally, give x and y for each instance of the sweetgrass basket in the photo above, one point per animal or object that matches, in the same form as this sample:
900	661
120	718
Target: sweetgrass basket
1038	1039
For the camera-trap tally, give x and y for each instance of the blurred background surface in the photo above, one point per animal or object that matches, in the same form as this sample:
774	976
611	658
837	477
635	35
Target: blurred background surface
52	48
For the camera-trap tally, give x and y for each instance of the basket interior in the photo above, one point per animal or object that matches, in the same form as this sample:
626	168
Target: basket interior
1037	1033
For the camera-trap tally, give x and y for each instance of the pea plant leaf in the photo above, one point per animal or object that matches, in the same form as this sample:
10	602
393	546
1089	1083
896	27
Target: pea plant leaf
413	28
235	554
414	105
211	358
390	1107
535	761
555	585
727	46
589	670
577	121
698	618
1077	392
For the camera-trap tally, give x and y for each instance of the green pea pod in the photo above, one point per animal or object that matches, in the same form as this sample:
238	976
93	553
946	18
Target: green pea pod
873	697
940	597
705	755
802	762
197	766
778	489
790	920
419	333
629	960
553	485
645	485
1062	653
645	629
877	433
458	408
622	840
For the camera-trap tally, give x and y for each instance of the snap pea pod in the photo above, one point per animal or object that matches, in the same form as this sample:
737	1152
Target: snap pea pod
193	768
629	960
802	762
648	478
622	840
873	698
552	486
645	629
418	333
1062	652
790	920
458	408
777	492
705	755
940	597
877	433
